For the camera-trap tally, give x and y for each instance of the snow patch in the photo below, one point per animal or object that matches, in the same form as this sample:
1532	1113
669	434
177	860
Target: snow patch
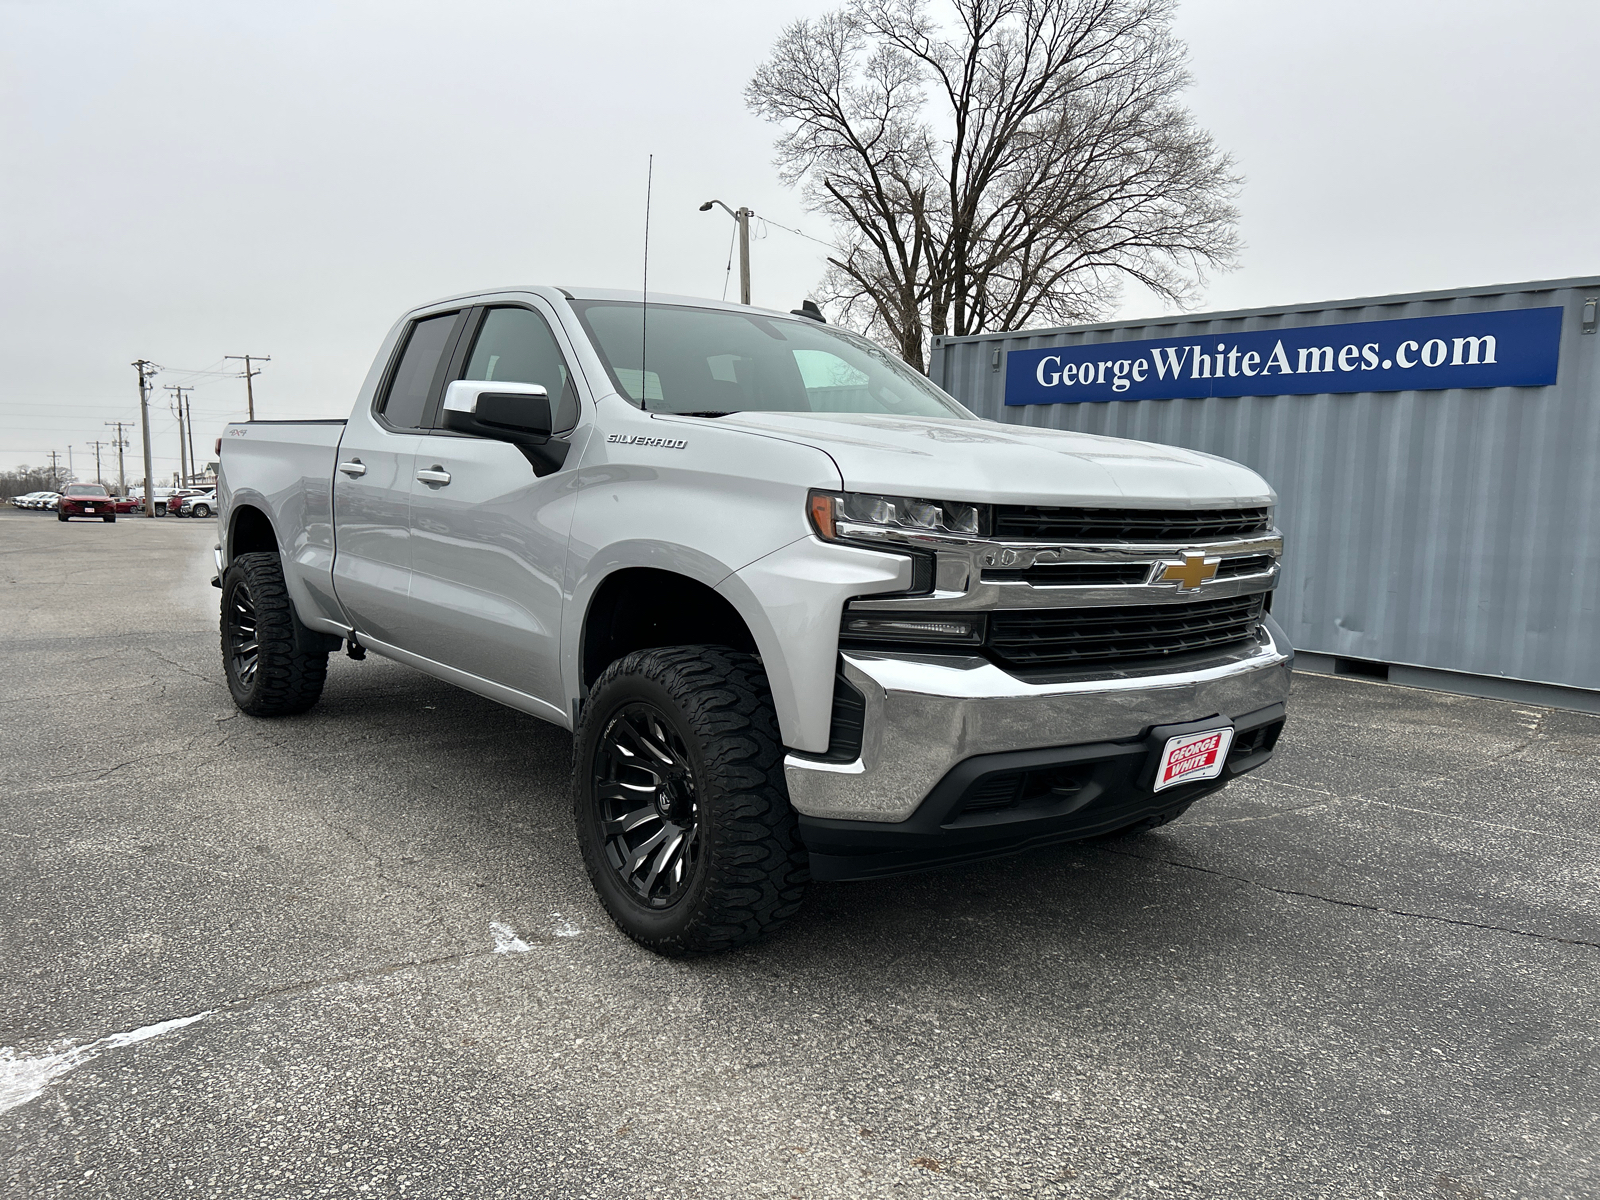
23	1079
506	940
564	927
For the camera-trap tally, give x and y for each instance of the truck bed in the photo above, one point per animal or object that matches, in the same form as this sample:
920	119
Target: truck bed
289	469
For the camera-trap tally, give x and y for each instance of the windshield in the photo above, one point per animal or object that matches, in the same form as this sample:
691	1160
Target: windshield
86	489
700	360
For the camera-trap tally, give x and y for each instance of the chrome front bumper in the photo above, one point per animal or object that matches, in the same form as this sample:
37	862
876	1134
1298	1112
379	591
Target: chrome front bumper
926	714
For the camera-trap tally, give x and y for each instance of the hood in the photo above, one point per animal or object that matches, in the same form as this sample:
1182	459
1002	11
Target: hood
987	462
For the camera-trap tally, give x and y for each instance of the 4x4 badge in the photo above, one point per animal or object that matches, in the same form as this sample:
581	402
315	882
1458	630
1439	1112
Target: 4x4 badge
1189	573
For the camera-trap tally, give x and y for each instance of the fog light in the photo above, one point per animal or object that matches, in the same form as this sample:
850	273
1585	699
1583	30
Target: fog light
962	630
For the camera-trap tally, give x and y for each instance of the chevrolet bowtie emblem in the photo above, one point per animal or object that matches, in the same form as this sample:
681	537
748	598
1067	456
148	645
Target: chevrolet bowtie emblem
1189	573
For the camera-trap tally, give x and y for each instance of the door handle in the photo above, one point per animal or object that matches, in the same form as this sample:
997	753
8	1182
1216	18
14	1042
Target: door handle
353	468
437	475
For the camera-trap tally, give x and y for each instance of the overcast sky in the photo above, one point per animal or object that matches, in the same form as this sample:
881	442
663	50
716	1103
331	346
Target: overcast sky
198	178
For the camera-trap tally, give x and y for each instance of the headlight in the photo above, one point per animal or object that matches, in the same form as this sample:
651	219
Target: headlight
829	509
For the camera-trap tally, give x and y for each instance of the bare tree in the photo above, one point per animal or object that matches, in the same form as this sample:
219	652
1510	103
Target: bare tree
1016	162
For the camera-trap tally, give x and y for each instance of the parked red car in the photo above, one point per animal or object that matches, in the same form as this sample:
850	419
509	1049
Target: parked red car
126	504
86	500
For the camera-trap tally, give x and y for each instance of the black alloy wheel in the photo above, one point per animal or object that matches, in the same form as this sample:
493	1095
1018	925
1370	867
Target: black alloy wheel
679	801
274	664
649	804
239	633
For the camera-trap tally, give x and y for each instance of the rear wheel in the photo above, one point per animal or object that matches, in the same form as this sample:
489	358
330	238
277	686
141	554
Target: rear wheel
679	801
274	664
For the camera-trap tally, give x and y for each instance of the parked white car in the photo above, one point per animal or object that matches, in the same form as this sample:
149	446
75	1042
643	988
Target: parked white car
163	498
195	504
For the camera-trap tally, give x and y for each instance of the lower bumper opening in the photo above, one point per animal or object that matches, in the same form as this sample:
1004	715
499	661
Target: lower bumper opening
997	804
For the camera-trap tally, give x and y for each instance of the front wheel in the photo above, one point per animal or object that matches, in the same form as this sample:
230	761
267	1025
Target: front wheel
274	664
111	520
201	510
61	516
679	800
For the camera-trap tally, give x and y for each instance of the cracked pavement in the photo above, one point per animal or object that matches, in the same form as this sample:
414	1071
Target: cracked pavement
355	953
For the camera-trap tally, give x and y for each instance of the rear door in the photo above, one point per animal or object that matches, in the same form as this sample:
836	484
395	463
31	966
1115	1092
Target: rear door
488	534
373	477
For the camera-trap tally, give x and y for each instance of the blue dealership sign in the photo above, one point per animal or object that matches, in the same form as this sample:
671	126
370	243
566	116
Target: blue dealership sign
1513	348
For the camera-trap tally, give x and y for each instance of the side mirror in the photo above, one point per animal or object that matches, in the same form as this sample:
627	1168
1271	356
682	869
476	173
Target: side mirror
506	412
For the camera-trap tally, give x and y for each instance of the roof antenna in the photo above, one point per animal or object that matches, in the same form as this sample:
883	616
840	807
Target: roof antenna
644	292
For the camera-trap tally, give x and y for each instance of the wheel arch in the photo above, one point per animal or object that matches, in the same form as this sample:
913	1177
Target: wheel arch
250	530
646	607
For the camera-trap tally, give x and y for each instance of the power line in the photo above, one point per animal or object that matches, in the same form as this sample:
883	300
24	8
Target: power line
798	233
727	275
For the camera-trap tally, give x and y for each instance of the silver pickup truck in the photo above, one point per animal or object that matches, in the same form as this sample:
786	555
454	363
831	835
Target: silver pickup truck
806	616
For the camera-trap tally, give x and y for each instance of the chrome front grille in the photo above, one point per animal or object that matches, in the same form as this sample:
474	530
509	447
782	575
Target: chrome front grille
1064	588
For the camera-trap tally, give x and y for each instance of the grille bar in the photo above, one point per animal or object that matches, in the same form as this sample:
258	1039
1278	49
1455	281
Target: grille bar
1245	564
1069	637
1127	525
1058	574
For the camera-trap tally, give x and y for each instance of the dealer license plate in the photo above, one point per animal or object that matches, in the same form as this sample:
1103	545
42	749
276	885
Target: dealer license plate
1190	757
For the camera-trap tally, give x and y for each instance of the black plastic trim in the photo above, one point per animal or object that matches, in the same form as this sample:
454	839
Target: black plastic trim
1112	791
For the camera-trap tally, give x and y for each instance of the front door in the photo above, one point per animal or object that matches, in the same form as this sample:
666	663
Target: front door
373	476
488	535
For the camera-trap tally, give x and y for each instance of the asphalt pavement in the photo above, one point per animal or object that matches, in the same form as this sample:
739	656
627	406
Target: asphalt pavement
354	953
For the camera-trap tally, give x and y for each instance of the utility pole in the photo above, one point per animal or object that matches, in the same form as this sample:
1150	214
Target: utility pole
97	474
249	392
121	444
742	217
55	472
146	369
185	460
188	424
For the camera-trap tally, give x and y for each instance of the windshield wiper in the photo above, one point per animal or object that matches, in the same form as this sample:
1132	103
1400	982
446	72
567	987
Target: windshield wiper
708	413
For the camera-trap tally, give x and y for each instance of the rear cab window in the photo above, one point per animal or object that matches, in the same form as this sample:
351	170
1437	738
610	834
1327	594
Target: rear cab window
419	373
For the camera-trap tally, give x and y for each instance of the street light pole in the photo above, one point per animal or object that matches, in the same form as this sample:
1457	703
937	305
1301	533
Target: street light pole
742	216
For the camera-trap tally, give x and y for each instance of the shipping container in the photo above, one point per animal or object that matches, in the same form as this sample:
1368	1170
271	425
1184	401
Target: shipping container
1442	526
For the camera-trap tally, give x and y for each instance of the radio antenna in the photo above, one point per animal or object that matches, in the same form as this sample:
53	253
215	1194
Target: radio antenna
644	292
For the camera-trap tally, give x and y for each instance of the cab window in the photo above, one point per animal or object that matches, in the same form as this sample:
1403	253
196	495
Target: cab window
420	369
515	345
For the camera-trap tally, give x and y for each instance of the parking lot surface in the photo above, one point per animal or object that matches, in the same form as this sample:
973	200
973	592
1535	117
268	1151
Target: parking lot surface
354	953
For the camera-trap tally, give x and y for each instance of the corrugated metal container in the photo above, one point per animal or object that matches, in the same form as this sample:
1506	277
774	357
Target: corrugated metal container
1449	530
